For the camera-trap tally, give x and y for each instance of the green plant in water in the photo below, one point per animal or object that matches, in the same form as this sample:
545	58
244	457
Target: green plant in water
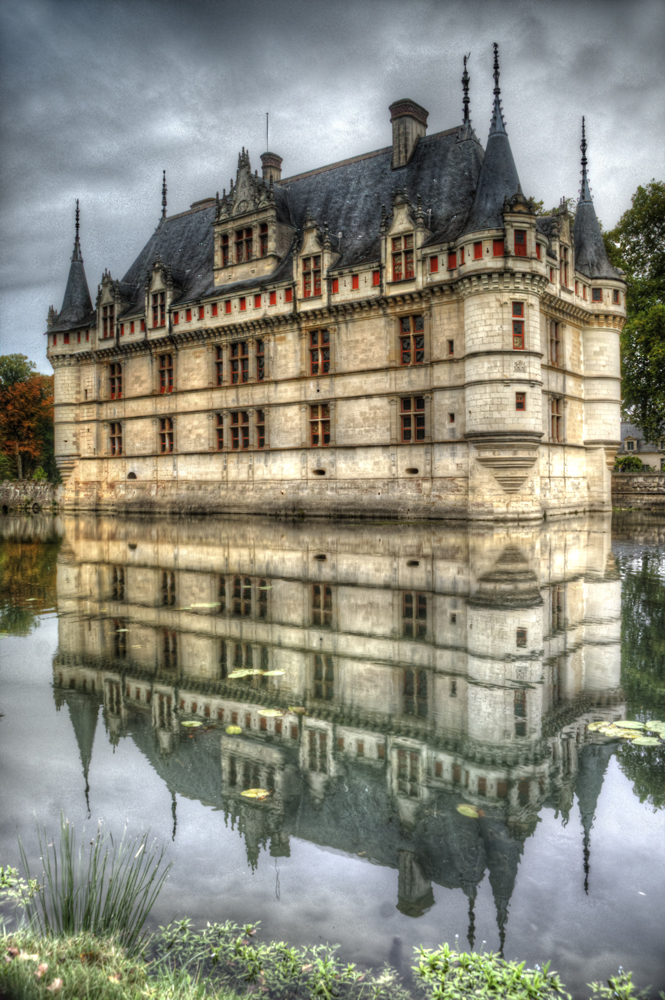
106	888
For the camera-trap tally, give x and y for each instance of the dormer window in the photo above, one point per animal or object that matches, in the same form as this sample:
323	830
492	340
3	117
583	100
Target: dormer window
108	319
244	249
402	254
263	239
520	243
224	249
630	445
564	266
311	276
159	309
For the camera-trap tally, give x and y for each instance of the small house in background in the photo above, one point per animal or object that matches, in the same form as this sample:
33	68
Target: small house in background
633	443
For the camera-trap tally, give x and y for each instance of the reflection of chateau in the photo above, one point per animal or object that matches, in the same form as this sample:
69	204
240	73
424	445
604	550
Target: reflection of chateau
436	666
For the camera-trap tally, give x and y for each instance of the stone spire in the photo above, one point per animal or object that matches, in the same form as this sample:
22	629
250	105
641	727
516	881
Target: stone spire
83	711
590	255
466	131
76	255
76	305
163	195
498	178
591	767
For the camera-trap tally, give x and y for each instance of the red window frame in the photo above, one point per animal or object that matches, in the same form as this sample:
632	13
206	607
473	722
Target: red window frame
122	330
158	310
518	326
355	281
538	251
273	298
142	326
115	380
288	295
239	362
220	431
452	261
260	360
202	312
260	429
376	278
257	301
188	315
240	430
451	347
319	352
219	365
227	306
498	248
433	265
335	285
596	295
116	438
166	435
412	340
213	309
131	327
263	239
176	318
108	320
165	373
319	425
520	401
403	268
478	251
244	244
65	338
412	411
520	243
224	248
243	303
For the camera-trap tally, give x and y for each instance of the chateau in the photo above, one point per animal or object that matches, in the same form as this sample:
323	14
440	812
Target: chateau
395	334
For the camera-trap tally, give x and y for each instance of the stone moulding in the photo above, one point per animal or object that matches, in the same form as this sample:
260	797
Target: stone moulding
508	455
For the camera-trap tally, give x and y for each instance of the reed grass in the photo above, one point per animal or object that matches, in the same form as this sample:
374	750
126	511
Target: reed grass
104	887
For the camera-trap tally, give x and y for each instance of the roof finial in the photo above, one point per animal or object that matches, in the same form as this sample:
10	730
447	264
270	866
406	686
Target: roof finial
497	89
76	255
465	87
163	194
497	124
585	193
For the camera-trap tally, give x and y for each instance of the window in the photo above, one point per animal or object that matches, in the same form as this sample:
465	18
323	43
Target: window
520	243
168	588
319	424
451	418
408	770
108	319
319	352
557	608
242	596
243	242
119	643
335	285
355	281
166	435
116	439
564	266
322	604
176	318
142	326
263	239
324	677
555	419
224	248
414	615
227	306
311	276
65	338
615	297
118	580
273	298
239	362
520	401
170	648
518	326
220	431
317	758
583	291
263	587
413	418
452	261
538	251
257	301
242	303
552	275
477	251
166	373
213	309
555	347
412	340
288	295
219	364
188	315
115	381
596	295
415	693
453	689
260	361
131	327
451	347
260	428
520	637
376	276
159	309
433	265
240	430
498	248
402	255
202	312
122	331
519	711
630	446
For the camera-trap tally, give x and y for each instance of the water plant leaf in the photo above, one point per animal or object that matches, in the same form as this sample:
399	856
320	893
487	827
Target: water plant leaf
656	725
233	730
646	741
593	727
191	722
467	810
297	709
274	673
271	713
629	724
615	732
256	793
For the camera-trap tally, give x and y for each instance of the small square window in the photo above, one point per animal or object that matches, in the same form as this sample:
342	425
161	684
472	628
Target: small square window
615	297
335	285
243	304
433	265
451	347
214	309
288	295
273	298
355	281
477	251
520	401
596	295
376	278
452	261
451	418
227	306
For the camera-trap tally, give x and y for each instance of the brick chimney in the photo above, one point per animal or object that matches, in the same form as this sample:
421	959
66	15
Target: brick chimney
409	123
272	167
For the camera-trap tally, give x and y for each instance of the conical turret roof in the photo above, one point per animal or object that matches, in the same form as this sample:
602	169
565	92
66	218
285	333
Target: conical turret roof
76	306
498	178
590	255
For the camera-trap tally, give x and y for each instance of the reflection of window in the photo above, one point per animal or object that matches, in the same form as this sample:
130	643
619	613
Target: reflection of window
412	340
263	588
118	583
520	637
164	707
519	711
408	769
223	660
415	692
170	647
324	676
120	639
482	786
243	656
557	607
168	588
523	792
242	596
414	615
321	604
317	751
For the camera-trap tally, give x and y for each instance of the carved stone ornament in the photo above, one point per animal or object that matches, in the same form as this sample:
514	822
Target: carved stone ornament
520	366
508	455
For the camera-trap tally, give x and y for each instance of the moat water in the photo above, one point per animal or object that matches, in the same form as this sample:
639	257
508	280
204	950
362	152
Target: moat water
406	670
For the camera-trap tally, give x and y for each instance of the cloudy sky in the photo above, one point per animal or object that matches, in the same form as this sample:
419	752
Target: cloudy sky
99	97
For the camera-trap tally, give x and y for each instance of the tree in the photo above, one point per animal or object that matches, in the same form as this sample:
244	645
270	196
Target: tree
26	411
15	368
637	244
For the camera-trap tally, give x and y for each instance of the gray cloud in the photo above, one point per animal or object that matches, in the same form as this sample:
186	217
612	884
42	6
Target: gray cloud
99	97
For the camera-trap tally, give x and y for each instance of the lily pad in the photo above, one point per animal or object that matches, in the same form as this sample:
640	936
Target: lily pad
466	810
629	724
646	741
615	732
274	673
271	713
256	793
656	725
233	730
297	709
593	727
191	723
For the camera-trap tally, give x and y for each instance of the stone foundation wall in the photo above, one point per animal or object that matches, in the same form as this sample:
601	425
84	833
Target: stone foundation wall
26	495
639	489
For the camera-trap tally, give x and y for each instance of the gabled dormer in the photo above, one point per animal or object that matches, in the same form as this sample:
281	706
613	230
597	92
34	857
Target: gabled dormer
161	288
315	258
108	307
248	240
403	233
521	234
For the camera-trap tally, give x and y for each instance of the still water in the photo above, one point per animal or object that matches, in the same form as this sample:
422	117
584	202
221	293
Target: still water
413	668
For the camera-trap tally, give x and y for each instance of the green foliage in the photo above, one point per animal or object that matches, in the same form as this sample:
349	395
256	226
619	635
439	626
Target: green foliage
453	975
619	987
629	463
15	889
15	368
104	888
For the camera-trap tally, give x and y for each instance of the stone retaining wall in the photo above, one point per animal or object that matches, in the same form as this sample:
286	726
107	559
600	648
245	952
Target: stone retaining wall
639	489
26	495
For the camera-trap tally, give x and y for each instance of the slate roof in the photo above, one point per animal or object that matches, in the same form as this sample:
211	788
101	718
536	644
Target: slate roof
629	430
590	254
77	308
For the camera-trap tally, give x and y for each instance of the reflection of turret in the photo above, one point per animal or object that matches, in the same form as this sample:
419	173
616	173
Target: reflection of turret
591	766
83	711
414	891
503	855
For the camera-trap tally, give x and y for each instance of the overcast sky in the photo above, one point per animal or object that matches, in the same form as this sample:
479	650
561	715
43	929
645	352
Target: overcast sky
99	97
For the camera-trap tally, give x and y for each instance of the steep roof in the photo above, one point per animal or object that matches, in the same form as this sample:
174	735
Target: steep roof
76	306
590	254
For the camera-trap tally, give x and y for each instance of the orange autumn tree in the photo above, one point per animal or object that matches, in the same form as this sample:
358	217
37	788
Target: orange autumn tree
26	407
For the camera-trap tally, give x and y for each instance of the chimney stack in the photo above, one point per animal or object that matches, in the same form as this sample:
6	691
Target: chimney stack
409	123
272	167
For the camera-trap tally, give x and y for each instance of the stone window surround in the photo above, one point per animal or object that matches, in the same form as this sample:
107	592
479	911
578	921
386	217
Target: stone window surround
225	414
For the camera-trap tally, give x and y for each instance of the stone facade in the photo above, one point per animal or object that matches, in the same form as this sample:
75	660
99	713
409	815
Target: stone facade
396	334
